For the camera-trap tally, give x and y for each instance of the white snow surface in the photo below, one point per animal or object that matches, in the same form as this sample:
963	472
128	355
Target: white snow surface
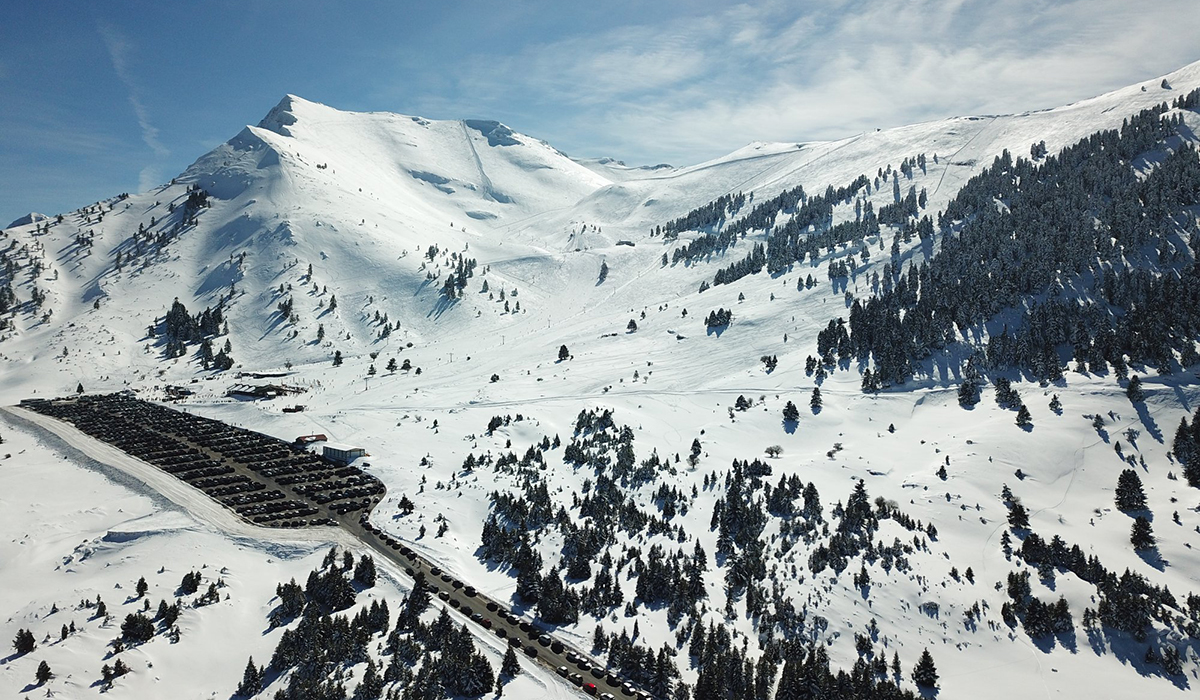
72	534
362	197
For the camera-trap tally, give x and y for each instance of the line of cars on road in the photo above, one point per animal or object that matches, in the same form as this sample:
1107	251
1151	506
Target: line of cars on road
489	611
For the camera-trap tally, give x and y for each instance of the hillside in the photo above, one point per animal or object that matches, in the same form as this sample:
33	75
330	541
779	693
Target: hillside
629	477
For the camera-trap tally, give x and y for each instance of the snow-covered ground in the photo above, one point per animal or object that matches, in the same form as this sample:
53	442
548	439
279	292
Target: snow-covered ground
362	198
80	521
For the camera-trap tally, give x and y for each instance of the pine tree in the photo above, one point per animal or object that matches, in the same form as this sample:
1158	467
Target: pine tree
43	673
968	393
925	673
1134	390
252	680
137	628
1129	493
24	641
337	358
364	573
1055	404
391	365
1023	418
631	326
1142	535
141	587
1018	517
190	583
1183	446
371	686
791	414
815	401
603	271
510	667
1191	470
563	353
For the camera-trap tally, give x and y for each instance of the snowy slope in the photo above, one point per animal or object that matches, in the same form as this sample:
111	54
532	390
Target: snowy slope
362	197
100	536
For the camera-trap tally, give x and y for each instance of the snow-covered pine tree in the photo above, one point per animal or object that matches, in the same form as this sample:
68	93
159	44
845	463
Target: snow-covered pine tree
925	673
1129	493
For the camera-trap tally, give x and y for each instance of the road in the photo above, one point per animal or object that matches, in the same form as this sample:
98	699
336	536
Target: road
490	616
493	624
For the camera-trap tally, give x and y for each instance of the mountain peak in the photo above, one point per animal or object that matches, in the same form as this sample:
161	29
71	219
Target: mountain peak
286	113
281	116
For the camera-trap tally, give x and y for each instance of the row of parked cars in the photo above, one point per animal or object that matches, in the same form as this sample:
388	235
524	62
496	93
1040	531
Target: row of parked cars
224	461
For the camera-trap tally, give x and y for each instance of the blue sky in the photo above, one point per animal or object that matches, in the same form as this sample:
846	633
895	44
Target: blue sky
98	98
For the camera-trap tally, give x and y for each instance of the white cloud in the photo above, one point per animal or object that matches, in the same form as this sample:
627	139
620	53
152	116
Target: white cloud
118	51
699	86
149	177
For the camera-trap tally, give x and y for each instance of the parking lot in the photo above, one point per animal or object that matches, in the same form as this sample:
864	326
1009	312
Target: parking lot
264	480
271	483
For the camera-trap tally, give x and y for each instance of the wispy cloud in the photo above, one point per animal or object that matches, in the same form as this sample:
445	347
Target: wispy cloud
695	87
51	134
118	51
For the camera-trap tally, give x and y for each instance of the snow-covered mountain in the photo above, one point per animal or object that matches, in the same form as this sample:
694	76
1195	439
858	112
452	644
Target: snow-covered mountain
474	253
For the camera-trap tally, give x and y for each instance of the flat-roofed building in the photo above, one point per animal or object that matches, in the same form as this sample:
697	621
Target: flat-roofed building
342	454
